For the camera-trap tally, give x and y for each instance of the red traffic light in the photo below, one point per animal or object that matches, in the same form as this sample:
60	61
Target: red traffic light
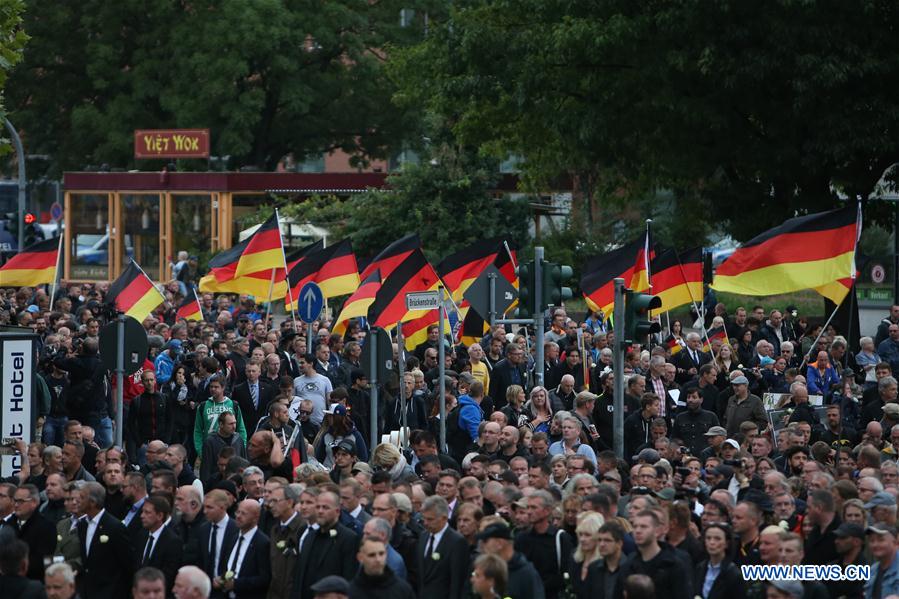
29	218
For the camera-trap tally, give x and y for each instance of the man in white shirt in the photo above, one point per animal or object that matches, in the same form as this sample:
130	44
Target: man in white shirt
313	386
248	570
159	547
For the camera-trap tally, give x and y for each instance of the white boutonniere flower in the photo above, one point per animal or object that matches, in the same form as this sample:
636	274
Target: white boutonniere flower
104	539
435	556
58	538
229	575
784	524
281	544
332	532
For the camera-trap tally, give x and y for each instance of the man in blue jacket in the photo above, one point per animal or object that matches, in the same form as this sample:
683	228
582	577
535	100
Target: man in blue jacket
470	412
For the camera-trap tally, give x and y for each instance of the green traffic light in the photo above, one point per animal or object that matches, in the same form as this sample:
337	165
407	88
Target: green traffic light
638	323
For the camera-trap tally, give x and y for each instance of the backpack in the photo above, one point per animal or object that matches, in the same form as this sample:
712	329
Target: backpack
458	440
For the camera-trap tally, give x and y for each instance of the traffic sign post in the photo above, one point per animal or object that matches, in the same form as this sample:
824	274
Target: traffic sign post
401	366
377	361
490	294
423	300
310	302
618	369
123	349
442	366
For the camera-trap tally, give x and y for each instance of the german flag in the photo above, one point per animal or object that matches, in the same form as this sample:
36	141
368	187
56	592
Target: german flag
599	274
673	344
389	306
190	309
415	331
806	252
642	279
392	256
247	267
134	293
474	327
333	268
716	333
356	306
458	271
35	265
677	278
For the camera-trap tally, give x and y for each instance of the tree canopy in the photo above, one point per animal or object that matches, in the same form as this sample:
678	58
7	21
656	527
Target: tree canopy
12	40
748	114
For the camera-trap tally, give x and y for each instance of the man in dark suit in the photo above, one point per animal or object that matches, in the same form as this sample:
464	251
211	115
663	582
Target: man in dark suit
509	371
330	551
13	564
34	529
135	492
216	536
253	397
248	562
690	359
106	552
443	553
159	547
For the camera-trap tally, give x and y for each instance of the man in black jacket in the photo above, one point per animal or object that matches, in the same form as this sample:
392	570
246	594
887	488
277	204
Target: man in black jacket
539	543
660	562
253	397
637	425
158	546
86	399
249	560
375	579
442	553
106	552
509	371
13	565
150	416
34	529
331	550
692	424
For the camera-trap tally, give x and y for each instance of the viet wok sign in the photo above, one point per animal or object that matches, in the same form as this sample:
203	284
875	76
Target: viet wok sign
171	143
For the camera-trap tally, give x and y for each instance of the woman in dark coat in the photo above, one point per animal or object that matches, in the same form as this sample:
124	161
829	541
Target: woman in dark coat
717	577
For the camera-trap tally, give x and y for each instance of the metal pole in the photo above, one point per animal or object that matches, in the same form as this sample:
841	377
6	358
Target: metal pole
20	158
538	314
120	382
373	387
895	252
401	366
441	357
618	370
491	311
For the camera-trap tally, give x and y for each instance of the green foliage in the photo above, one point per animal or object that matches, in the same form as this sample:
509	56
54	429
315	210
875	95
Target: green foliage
749	115
12	41
448	200
268	77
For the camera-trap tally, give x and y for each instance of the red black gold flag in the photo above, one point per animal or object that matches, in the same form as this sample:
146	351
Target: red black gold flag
816	251
134	293
599	274
459	270
474	327
356	306
674	346
641	280
333	268
677	278
716	333
34	265
392	256
190	309
389	306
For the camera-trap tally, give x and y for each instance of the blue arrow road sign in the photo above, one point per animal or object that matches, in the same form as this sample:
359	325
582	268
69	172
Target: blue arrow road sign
310	302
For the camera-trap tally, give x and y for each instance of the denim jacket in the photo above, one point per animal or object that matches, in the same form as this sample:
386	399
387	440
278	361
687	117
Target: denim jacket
890	584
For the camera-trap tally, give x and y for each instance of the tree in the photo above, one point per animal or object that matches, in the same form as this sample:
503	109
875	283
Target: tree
750	115
268	77
449	200
12	40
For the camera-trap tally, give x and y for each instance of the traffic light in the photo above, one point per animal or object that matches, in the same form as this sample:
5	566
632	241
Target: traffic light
637	321
554	278
33	233
526	288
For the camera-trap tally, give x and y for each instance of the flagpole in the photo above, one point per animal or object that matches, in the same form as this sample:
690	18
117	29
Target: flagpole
646	249
271	291
695	307
293	314
56	275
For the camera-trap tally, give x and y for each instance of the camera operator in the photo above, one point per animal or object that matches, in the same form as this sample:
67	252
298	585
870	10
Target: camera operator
88	399
53	431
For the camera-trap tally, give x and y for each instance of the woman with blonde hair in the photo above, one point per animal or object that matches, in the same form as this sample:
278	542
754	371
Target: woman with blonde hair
387	457
583	568
538	410
513	409
489	577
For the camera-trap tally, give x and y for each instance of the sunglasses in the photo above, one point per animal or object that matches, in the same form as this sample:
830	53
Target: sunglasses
305	413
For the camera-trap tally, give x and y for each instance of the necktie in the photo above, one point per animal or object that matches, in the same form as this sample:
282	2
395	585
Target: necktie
213	545
254	393
148	551
430	549
233	567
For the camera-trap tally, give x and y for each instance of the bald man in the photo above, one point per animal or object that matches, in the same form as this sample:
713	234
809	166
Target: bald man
249	562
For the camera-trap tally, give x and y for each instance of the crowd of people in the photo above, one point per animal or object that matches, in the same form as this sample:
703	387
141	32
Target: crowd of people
247	468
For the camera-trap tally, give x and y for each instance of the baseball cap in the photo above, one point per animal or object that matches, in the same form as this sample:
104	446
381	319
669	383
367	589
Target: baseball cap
732	443
850	529
792	587
331	584
361	467
337	409
403	503
881	528
891	409
33	309
715	431
723	470
881	499
174	344
667	494
766	361
648	455
495	531
740	380
346	445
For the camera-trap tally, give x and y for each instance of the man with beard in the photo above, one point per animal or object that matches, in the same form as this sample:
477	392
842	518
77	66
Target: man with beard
375	579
